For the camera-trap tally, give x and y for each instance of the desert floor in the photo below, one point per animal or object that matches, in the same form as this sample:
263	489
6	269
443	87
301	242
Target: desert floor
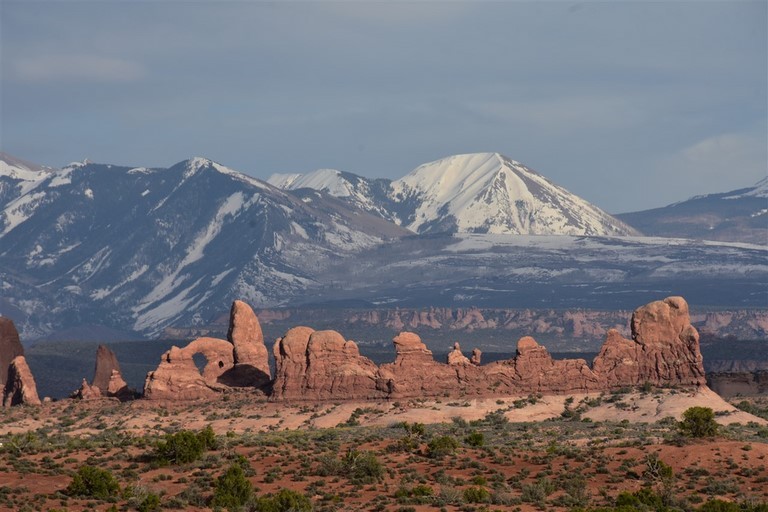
507	453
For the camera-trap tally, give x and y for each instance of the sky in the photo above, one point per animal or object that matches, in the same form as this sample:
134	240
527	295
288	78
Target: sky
631	105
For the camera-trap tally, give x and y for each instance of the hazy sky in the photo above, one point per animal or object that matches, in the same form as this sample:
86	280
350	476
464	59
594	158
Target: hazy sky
629	104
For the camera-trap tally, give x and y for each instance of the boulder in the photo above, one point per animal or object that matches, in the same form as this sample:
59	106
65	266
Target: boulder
20	386
10	346
664	349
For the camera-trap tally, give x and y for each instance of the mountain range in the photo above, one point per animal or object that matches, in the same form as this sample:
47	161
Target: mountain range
474	193
128	251
736	216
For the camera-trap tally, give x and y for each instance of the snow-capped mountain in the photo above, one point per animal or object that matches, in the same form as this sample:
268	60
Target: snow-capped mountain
18	177
736	216
138	249
370	195
472	193
490	193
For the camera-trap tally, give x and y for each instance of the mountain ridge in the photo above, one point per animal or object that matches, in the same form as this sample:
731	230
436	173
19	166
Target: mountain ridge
468	193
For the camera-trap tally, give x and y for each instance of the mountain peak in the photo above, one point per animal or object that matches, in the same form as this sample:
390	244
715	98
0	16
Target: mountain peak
491	193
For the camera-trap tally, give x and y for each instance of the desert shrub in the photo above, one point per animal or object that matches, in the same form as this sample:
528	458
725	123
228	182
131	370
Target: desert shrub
475	439
363	467
284	500
233	490
538	491
93	483
719	506
441	446
360	467
184	447
477	495
698	422
419	494
150	504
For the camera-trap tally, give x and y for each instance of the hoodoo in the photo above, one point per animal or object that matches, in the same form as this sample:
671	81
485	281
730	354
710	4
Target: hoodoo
18	383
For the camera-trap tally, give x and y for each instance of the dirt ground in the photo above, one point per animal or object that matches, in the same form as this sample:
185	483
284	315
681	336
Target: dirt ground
537	453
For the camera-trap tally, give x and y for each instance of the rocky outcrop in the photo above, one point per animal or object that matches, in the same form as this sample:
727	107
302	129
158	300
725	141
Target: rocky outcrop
178	378
319	365
250	353
323	365
107	381
241	361
107	377
456	357
10	346
664	349
476	355
20	386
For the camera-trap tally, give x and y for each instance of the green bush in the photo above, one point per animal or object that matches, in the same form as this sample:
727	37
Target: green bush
150	504
441	446
362	467
698	422
477	495
475	439
184	447
93	483
284	500
233	490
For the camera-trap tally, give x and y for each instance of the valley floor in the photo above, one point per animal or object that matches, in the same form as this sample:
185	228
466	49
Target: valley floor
515	453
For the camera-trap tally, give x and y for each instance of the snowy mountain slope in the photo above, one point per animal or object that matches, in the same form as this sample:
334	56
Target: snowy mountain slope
18	177
370	195
139	249
552	271
490	193
736	216
473	193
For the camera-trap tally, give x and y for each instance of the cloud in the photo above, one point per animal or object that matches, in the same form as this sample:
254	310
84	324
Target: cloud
76	69
718	163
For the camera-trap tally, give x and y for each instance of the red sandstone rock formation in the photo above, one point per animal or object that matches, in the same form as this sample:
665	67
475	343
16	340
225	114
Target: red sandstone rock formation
322	365
476	356
10	346
456	357
317	365
87	392
664	349
20	386
242	361
177	377
250	353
